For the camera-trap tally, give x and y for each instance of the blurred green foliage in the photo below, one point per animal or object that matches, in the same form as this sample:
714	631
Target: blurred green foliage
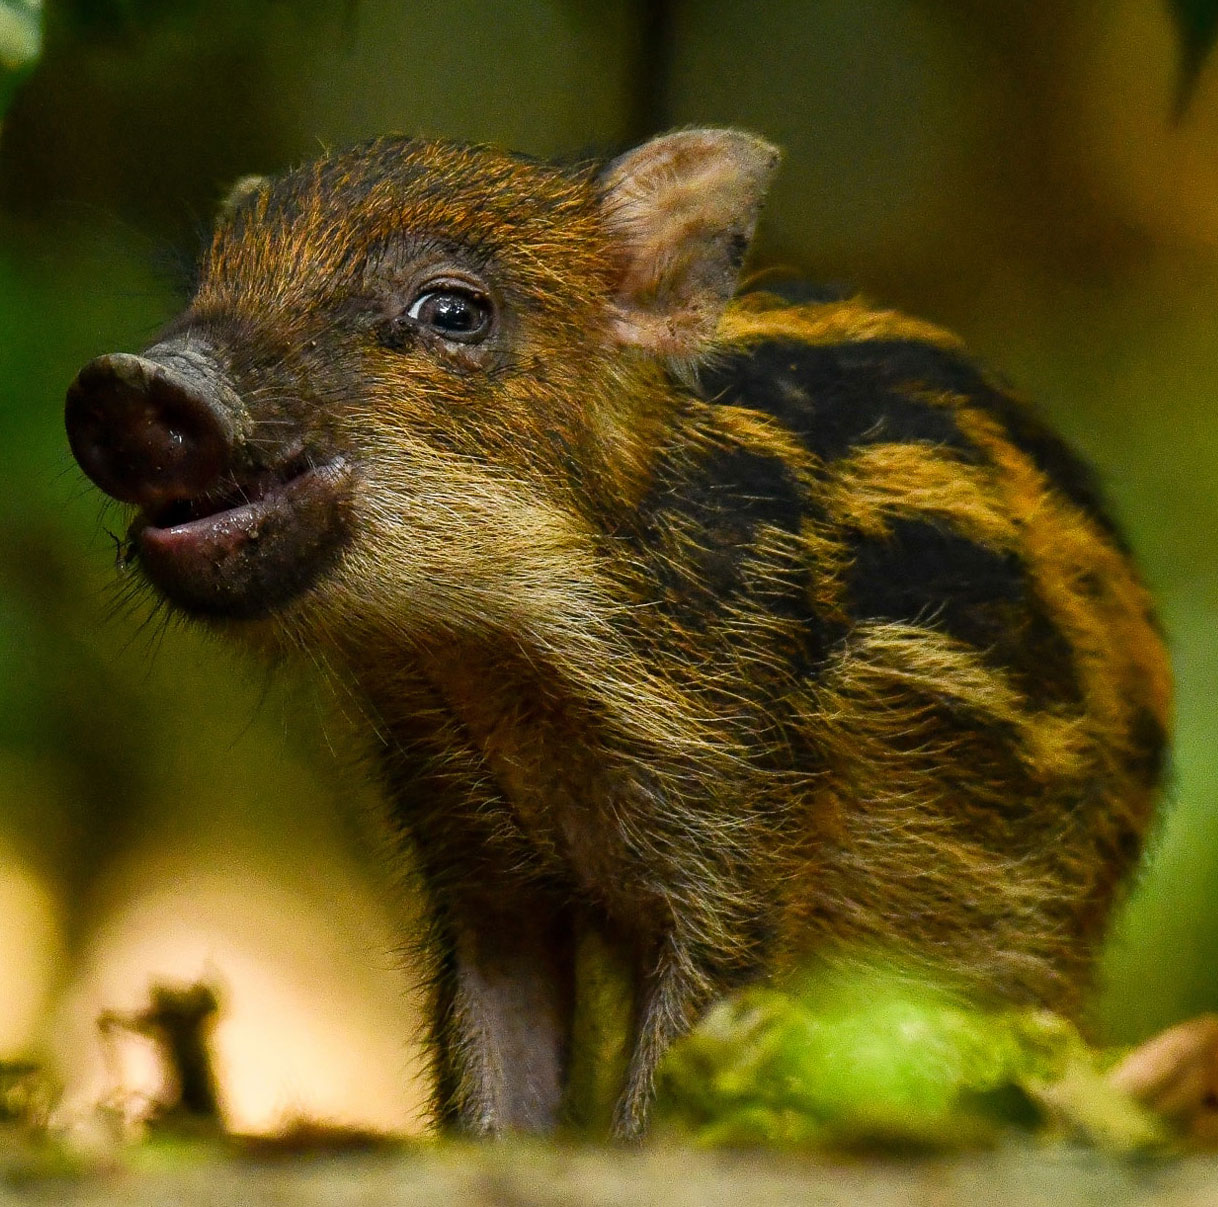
68	720
20	44
114	18
871	1055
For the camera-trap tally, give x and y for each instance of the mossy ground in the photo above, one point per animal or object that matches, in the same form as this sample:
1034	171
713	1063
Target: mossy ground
549	1174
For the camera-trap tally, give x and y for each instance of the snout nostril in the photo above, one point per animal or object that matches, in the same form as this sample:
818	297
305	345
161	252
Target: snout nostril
145	433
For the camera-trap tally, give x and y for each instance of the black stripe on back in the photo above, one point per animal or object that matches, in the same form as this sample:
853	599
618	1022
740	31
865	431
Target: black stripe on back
936	368
926	574
834	397
1148	749
838	396
715	507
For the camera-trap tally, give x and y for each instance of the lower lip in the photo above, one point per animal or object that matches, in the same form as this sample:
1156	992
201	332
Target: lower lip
248	560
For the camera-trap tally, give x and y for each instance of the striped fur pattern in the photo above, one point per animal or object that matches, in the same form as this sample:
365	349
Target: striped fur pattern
739	636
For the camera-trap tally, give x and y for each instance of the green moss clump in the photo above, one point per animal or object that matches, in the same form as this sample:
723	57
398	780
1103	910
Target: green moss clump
871	1056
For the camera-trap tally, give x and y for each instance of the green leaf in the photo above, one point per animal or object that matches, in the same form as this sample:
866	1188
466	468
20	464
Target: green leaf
1197	25
20	44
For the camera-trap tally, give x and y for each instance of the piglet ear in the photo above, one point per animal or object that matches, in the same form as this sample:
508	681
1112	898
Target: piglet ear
241	191
681	211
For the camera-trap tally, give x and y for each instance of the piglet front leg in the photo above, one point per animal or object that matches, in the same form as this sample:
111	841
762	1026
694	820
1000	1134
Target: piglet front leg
503	1017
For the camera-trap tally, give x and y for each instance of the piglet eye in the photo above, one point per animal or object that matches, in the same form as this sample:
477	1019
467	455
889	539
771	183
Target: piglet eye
456	314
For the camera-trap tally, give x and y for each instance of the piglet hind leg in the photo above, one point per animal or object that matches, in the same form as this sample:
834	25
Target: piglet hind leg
673	989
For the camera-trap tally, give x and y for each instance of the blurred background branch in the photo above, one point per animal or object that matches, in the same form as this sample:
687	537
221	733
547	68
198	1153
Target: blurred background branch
1197	23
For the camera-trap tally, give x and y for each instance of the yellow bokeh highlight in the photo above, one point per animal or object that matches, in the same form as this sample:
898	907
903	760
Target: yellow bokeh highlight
316	1020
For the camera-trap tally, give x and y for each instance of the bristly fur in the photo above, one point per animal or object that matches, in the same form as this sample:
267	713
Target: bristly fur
822	639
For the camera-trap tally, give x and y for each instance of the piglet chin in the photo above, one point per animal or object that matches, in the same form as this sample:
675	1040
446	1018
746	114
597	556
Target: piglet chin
246	561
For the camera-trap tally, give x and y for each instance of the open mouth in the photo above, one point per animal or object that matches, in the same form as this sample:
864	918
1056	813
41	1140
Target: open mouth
250	547
238	499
